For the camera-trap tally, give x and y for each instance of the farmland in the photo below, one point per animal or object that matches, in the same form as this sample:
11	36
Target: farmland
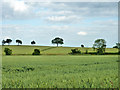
87	71
48	50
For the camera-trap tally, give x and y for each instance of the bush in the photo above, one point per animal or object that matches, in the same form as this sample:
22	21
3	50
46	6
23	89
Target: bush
86	52
115	47
36	52
100	51
8	51
75	51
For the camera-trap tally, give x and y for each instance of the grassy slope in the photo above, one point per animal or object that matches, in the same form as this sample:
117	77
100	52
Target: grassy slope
48	49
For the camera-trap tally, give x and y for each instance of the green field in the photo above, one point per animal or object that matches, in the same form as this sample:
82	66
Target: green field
60	71
47	50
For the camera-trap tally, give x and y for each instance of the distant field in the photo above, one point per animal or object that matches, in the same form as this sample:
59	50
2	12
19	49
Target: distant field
17	50
59	71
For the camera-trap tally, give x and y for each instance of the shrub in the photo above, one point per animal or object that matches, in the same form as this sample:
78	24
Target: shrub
115	47
36	52
100	51
86	52
75	51
8	51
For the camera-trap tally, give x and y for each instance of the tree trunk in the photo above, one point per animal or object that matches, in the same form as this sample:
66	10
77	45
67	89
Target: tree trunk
57	44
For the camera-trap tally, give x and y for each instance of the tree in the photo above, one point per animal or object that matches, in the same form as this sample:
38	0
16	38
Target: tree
33	42
57	41
8	41
118	45
3	42
100	45
8	51
82	45
36	52
19	42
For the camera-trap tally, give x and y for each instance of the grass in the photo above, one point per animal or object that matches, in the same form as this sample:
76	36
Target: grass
59	71
47	50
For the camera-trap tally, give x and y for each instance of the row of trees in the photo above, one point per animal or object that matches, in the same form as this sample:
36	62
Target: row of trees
99	44
8	41
57	41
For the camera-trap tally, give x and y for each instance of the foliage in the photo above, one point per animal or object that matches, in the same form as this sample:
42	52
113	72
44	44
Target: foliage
3	42
93	48
115	47
76	51
19	42
100	44
57	41
8	51
86	52
118	45
33	42
8	41
36	52
82	45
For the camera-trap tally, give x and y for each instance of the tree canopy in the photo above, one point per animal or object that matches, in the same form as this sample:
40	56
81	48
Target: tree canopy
19	42
57	41
100	44
3	42
33	42
8	41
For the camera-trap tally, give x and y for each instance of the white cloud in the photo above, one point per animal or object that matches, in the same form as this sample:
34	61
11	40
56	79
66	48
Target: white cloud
65	12
19	6
82	33
56	18
64	19
15	10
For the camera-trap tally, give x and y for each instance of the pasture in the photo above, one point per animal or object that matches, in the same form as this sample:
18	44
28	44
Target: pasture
89	71
48	50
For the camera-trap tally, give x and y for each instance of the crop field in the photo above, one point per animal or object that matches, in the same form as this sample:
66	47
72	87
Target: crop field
87	71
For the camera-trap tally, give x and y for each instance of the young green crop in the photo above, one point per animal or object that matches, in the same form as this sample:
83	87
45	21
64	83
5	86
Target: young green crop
60	72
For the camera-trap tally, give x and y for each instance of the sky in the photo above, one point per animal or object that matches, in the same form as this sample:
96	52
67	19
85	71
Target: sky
76	22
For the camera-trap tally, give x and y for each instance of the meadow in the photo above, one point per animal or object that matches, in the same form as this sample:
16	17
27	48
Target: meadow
48	50
63	71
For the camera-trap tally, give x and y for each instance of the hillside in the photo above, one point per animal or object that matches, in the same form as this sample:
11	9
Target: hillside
49	50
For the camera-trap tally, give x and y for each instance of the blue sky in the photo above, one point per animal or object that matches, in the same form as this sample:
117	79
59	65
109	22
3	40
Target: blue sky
76	22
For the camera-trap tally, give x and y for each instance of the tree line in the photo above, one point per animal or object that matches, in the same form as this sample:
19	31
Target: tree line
99	45
8	41
56	40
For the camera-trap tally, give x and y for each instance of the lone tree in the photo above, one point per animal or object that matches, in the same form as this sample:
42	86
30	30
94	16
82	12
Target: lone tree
19	42
100	45
3	42
33	42
8	41
82	45
57	41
